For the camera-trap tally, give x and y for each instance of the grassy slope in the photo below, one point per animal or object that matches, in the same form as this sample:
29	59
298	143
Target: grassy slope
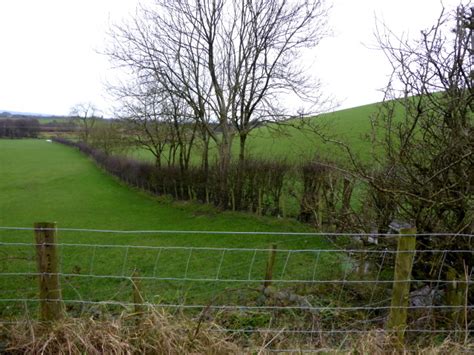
42	181
349	126
45	181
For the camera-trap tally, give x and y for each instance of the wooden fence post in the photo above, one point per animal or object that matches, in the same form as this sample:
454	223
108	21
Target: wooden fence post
51	306
455	296
270	264
138	300
397	320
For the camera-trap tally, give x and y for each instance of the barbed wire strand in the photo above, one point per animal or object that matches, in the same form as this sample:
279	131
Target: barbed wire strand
251	264
125	260
187	263
157	261
199	232
231	307
285	265
374	287
141	277
353	251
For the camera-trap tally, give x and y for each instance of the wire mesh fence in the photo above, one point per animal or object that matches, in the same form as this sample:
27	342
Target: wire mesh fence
300	287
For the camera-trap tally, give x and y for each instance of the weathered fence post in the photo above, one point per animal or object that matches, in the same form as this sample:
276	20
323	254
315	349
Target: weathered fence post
269	269
138	300
455	297
406	249
51	306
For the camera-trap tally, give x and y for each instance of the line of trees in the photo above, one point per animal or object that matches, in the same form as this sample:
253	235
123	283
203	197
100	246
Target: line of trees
19	128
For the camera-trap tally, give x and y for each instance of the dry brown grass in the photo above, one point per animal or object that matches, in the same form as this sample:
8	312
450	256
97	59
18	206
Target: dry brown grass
381	343
158	332
154	333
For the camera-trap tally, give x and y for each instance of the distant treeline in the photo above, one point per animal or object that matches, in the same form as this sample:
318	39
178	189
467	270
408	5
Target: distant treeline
59	126
19	128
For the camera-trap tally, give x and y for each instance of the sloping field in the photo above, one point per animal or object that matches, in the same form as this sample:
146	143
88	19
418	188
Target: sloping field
43	181
46	181
349	126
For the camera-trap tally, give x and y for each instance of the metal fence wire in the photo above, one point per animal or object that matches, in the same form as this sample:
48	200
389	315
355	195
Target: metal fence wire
292	285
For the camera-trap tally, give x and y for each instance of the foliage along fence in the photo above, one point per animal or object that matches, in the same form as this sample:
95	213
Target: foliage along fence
318	192
311	297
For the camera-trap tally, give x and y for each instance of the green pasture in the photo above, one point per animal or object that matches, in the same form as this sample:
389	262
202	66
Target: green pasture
46	120
349	126
42	181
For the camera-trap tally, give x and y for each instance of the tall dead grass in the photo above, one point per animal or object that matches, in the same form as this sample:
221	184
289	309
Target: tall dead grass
158	332
382	343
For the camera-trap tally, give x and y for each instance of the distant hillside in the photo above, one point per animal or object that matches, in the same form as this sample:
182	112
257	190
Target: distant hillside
21	113
349	126
39	116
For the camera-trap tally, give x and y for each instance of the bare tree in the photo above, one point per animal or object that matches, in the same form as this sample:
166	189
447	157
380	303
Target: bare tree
426	128
158	122
263	47
141	110
422	166
109	137
229	61
86	115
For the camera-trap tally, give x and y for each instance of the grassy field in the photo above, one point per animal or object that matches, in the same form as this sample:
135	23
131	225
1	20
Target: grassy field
59	119
349	126
43	181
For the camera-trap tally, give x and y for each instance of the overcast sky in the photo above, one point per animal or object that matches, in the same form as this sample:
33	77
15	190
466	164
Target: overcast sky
50	50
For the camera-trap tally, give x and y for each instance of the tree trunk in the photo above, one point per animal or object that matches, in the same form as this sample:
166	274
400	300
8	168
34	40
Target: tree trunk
240	174
224	169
